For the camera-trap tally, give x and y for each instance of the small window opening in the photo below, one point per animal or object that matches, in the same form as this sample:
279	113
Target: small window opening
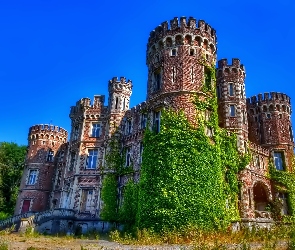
231	89
116	105
173	52
232	110
191	52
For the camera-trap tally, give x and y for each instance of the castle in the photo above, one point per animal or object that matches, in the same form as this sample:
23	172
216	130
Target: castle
62	174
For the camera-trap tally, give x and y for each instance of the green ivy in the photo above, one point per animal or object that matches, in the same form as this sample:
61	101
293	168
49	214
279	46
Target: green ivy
109	196
187	176
285	182
128	210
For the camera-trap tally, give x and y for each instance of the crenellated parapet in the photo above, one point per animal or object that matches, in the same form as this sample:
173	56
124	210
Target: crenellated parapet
268	103
120	85
235	69
197	29
45	131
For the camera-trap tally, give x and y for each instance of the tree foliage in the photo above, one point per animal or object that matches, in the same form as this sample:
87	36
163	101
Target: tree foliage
12	157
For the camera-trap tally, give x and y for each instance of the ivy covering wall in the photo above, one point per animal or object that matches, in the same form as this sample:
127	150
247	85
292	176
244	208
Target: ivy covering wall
188	174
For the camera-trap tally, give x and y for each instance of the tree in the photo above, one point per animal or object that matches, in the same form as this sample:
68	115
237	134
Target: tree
12	157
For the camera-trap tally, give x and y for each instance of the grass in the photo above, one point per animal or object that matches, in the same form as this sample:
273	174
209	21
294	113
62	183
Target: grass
279	237
269	239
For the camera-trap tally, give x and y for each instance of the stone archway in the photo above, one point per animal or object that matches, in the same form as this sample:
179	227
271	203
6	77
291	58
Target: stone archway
260	196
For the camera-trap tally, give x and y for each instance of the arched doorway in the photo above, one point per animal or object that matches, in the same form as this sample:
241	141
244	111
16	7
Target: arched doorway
260	197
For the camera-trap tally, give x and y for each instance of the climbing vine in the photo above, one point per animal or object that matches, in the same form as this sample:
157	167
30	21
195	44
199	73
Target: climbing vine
114	170
188	173
285	183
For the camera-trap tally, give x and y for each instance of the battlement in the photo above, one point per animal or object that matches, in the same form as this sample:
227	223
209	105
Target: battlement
98	101
183	24
223	63
120	84
269	97
47	128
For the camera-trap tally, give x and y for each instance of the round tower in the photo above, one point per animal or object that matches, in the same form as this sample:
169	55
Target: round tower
230	88
270	126
177	55
36	184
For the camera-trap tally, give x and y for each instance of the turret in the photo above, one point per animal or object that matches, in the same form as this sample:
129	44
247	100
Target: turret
176	56
120	91
230	80
44	142
270	124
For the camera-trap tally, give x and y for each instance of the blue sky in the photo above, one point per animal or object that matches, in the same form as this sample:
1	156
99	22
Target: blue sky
54	52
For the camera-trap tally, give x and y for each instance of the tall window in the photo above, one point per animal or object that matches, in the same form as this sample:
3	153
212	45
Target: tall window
92	158
231	89
72	161
32	177
278	159
157	79
76	132
128	156
143	121
129	127
61	156
218	92
50	156
157	116
232	110
95	130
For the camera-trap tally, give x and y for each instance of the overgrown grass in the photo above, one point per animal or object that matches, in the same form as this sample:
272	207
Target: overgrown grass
269	239
279	237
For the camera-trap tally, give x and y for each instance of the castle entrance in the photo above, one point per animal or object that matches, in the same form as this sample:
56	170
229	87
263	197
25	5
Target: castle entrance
260	197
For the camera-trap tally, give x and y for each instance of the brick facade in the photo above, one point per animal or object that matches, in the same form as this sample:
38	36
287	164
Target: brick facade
176	72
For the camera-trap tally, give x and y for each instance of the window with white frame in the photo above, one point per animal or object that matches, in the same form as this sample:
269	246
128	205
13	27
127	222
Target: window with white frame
231	89
232	110
92	158
156	121
143	121
128	156
32	178
95	132
50	156
278	160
